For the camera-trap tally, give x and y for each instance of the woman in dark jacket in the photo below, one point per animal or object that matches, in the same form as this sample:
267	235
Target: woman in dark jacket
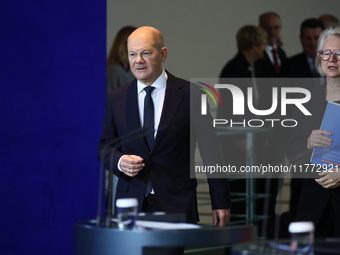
320	197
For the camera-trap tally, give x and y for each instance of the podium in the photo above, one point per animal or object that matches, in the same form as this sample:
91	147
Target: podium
328	246
93	240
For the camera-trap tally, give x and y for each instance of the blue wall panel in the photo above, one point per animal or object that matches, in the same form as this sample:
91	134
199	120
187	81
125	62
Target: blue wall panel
52	77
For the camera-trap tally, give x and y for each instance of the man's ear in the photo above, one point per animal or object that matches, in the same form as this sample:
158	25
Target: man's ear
164	53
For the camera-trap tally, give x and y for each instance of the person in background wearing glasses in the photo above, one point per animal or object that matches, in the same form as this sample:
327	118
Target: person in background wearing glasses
319	199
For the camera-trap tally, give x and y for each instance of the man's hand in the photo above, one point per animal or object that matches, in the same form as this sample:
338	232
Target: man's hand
131	165
221	217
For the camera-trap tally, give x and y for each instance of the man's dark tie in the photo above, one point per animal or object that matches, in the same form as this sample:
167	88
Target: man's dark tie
149	117
149	125
276	61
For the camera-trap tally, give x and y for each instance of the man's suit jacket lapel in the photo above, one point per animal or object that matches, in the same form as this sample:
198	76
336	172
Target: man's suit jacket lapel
269	65
133	125
304	66
131	107
282	55
172	101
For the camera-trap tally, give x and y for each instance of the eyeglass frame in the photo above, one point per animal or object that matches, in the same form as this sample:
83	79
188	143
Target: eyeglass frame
329	56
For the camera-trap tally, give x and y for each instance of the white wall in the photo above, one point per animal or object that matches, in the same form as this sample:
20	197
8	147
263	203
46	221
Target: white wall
200	34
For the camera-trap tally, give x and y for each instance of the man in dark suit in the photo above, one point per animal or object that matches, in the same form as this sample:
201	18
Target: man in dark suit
302	65
157	171
274	56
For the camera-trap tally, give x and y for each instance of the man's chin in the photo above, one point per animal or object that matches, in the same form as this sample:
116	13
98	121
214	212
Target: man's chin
140	75
142	79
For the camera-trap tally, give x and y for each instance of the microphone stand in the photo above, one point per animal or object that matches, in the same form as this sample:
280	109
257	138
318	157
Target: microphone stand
119	141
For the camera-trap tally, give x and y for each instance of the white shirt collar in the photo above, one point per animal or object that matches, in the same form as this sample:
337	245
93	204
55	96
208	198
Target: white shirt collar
160	83
269	52
269	47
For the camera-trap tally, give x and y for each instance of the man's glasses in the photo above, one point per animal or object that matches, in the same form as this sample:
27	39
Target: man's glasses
326	54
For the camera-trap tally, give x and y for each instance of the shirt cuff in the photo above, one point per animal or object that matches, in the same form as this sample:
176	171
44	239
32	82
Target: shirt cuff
118	166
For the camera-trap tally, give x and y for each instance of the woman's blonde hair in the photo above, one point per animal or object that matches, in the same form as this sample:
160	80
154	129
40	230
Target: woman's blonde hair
249	36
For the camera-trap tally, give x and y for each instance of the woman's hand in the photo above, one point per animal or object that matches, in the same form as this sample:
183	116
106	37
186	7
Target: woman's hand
318	139
330	179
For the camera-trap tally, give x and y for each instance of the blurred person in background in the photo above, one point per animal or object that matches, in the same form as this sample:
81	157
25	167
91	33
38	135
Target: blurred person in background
251	42
329	21
302	65
274	56
118	69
